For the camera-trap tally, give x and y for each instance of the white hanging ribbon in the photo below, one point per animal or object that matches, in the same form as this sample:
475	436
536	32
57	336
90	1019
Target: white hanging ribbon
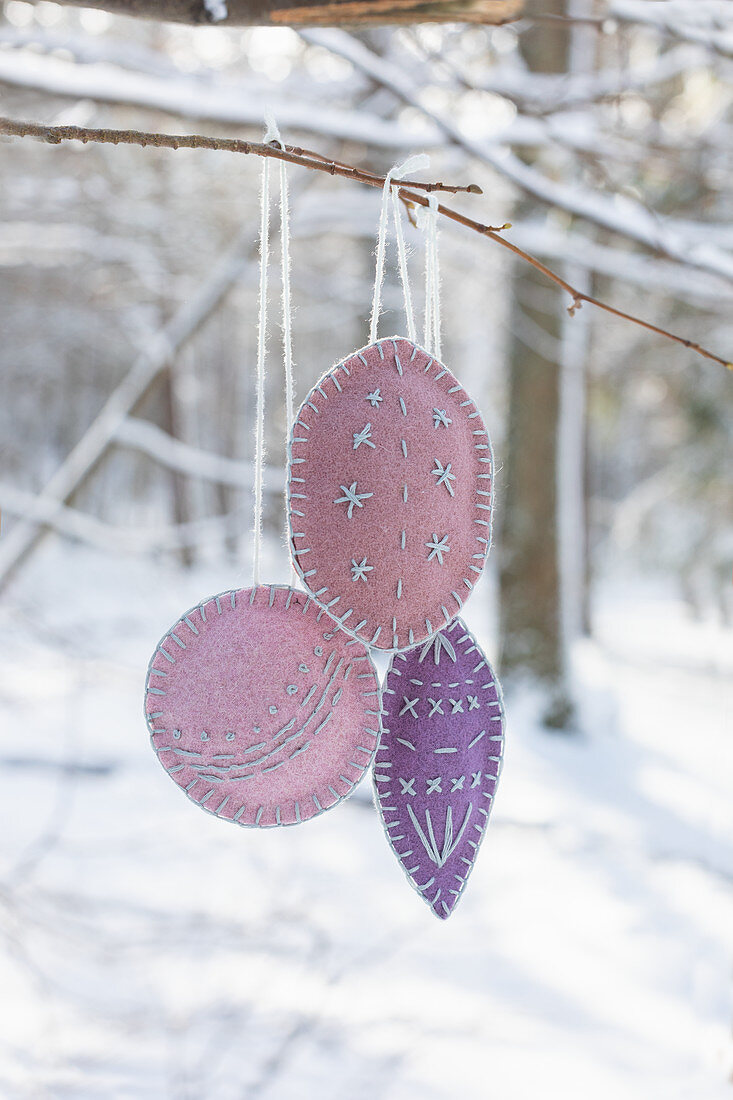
412	164
428	219
272	135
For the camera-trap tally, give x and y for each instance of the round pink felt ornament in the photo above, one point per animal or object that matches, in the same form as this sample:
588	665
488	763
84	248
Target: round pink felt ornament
260	708
390	494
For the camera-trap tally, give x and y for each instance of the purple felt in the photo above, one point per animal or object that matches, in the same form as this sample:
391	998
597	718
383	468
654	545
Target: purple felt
438	762
260	708
390	494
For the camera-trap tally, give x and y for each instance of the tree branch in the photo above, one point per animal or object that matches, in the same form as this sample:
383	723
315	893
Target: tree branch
307	159
619	214
314	13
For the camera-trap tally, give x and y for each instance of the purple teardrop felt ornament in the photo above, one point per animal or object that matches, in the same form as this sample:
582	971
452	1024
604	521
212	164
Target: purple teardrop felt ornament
438	761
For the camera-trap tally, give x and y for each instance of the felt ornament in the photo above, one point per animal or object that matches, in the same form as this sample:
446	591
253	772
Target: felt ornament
390	487
260	708
390	494
438	762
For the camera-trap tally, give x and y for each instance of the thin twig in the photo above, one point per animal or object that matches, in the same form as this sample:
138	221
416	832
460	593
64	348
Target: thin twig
307	159
292	154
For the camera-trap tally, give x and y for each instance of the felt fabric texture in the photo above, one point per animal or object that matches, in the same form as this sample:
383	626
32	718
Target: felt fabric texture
389	494
260	708
438	762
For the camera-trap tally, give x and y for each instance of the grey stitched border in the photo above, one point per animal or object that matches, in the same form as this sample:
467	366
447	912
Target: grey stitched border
467	638
249	594
484	512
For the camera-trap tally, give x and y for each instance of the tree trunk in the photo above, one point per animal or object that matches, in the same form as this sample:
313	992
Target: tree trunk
532	640
315	13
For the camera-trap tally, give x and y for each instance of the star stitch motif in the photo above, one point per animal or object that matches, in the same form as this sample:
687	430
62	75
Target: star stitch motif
351	498
374	399
409	705
436	546
364	436
360	569
444	475
441	417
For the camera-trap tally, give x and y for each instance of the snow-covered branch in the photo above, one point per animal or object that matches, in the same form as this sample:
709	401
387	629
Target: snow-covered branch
149	439
618	214
119	539
704	22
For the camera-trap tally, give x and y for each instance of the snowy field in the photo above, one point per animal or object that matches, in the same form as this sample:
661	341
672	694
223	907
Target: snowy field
152	951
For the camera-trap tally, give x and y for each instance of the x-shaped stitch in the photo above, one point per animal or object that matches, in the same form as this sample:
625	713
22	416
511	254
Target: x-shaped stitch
473	702
434	785
409	705
441	417
374	398
457	784
475	779
436	706
407	786
456	706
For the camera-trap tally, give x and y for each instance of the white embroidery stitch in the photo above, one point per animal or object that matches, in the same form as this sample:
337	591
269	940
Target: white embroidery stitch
360	569
436	546
444	475
364	436
351	498
441	417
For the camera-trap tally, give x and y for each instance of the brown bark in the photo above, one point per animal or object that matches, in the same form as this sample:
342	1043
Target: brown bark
316	13
532	638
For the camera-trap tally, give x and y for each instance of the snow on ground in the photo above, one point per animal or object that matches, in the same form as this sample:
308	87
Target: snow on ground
151	951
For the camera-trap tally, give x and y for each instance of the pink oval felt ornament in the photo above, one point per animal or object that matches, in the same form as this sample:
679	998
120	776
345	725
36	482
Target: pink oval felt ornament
389	494
260	708
438	762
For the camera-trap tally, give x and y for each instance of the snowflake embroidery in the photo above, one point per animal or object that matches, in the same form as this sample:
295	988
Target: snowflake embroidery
441	417
364	436
360	569
437	547
351	498
444	475
374	399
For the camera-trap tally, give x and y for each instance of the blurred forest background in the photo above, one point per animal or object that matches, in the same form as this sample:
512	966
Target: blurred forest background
148	953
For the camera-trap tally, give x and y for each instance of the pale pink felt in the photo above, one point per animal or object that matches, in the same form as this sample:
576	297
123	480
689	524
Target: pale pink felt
260	708
390	494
